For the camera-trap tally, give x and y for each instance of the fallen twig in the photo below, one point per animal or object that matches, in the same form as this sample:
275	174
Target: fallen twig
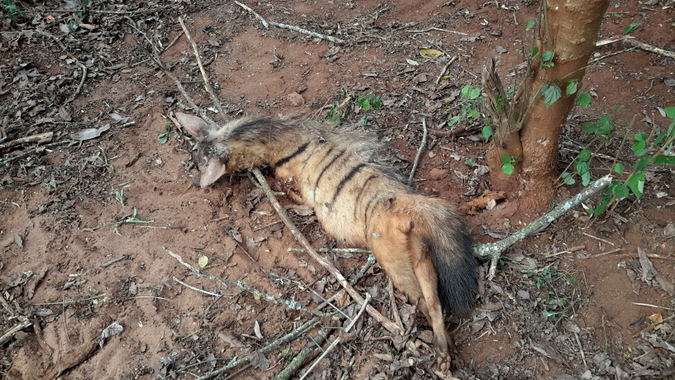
630	40
283	340
23	323
38	139
290	304
423	144
31	151
445	68
492	250
207	83
333	250
436	29
197	289
298	29
79	86
113	261
337	340
384	321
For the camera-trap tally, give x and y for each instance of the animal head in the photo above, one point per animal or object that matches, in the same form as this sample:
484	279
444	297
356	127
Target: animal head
212	150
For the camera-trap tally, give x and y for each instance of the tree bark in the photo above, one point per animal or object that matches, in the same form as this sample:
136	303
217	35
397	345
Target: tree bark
569	28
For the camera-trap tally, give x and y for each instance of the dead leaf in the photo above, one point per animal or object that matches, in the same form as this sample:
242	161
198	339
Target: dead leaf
33	283
648	271
89	133
256	330
258	360
430	53
112	330
231	340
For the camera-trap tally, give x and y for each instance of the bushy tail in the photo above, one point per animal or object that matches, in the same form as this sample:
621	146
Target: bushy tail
451	252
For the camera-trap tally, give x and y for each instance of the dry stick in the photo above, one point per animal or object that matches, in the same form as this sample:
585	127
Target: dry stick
494	250
384	321
11	332
436	29
598	239
207	83
31	151
445	68
290	304
581	350
338	339
254	13
79	86
291	27
197	289
630	40
319	338
333	250
419	152
38	139
284	339
303	356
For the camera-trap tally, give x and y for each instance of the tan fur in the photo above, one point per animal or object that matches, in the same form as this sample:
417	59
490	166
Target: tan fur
418	240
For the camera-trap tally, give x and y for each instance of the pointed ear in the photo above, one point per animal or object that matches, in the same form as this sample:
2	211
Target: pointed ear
195	126
214	169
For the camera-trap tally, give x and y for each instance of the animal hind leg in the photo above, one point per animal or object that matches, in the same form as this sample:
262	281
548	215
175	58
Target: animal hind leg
426	277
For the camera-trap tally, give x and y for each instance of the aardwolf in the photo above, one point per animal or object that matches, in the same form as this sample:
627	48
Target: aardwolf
419	241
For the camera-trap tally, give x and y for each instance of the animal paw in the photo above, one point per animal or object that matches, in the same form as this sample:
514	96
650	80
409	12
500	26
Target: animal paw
443	361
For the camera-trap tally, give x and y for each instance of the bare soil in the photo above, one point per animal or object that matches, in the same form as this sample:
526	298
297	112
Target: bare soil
77	257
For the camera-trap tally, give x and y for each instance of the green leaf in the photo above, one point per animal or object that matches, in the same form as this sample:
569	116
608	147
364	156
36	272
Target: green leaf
620	190
600	208
584	155
639	149
547	56
530	24
572	87
659	138
590	128
508	169
641	136
203	261
453	121
506	159
584	99
581	167
568	179
487	132
534	51
630	28
604	125
670	112
163	138
551	94
642	163
636	183
618	168
586	178
661	159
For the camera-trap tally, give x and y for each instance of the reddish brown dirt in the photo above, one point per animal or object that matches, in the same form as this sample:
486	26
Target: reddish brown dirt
568	303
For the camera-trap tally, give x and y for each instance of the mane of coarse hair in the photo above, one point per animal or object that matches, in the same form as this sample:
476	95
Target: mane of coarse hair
368	147
264	130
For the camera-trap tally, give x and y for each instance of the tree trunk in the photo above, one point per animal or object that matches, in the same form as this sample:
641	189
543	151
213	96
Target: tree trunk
530	133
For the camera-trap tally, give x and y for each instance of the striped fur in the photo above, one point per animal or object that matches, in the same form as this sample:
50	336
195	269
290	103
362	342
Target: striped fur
418	240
